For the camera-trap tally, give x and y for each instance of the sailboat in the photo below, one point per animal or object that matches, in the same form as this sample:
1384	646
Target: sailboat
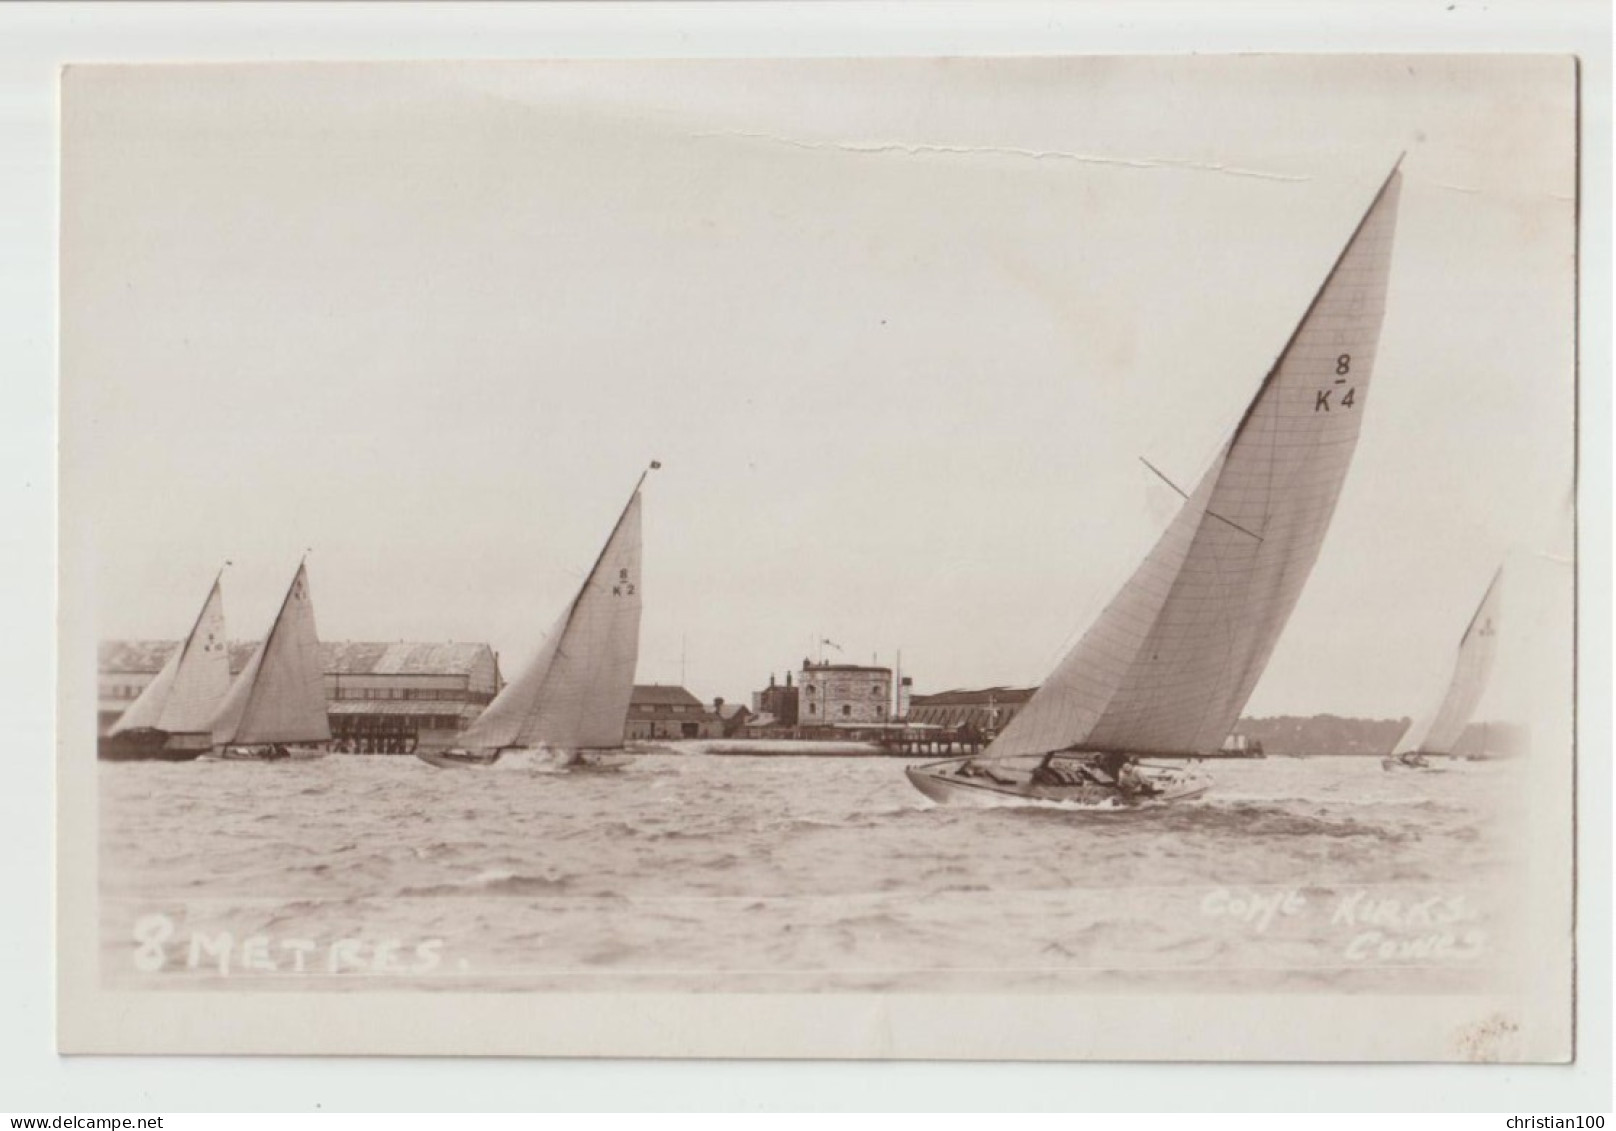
1167	667
171	719
276	710
572	699
1440	732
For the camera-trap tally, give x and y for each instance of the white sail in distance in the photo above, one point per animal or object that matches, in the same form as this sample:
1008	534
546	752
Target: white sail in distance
1170	662
1477	649
280	695
575	693
186	693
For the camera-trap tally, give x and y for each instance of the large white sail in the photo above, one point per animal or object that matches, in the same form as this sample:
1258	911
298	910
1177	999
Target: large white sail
186	693
280	695
1171	661
575	693
1440	733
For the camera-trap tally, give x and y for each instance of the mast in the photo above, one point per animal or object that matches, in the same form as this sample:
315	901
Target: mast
600	557
202	677
190	637
1472	666
1170	662
280	695
183	695
575	693
897	684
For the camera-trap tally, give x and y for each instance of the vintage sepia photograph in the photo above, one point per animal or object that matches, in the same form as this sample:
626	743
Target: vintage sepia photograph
1044	558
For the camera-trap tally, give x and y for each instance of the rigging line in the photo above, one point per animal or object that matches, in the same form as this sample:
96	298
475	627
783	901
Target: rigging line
250	697
1317	295
197	624
1273	464
1475	616
1210	513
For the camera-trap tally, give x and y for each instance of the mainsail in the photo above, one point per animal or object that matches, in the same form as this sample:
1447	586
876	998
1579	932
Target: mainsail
1477	647
187	691
280	695
575	693
1171	661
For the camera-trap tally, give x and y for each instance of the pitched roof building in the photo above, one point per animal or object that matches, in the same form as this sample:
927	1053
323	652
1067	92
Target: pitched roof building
661	711
989	709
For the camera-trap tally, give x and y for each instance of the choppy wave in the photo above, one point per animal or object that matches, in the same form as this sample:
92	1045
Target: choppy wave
495	881
793	874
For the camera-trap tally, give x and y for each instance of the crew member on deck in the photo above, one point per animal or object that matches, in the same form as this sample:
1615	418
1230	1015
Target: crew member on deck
1129	781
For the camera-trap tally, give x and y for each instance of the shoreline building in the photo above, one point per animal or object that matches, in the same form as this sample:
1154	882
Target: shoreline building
392	698
381	698
988	710
775	705
732	718
843	695
658	710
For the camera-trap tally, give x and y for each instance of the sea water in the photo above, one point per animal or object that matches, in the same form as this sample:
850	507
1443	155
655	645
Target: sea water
726	873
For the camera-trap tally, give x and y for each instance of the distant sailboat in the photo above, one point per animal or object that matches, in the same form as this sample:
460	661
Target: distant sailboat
276	709
1167	667
573	698
171	719
1440	733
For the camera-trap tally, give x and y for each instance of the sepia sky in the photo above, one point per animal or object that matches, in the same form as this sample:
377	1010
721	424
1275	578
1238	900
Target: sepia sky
900	333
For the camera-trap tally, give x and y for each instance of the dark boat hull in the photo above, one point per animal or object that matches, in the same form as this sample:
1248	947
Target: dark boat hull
458	759
136	754
539	761
943	783
266	754
1422	766
151	746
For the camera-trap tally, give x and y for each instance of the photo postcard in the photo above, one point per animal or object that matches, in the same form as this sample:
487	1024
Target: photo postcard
952	558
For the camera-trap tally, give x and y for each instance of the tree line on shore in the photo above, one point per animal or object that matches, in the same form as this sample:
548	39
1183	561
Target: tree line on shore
1324	734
